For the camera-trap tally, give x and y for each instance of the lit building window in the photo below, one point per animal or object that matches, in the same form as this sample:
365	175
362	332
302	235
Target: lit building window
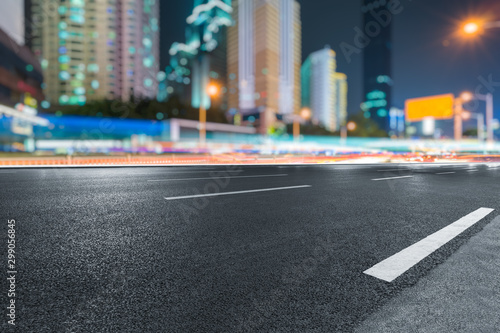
93	68
64	99
64	59
148	62
64	76
382	113
161	76
147	42
78	3
79	19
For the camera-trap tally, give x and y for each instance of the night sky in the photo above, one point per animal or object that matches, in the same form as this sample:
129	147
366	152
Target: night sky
429	58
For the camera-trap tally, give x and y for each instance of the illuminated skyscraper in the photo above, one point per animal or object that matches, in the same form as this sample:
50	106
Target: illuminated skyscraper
341	90
377	65
264	59
324	90
93	50
202	58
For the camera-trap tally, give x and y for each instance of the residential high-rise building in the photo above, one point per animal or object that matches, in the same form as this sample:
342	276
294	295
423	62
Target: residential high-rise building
324	90
377	63
264	59
21	76
12	20
201	60
93	50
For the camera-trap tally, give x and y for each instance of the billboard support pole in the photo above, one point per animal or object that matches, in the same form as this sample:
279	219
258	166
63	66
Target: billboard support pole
458	119
480	127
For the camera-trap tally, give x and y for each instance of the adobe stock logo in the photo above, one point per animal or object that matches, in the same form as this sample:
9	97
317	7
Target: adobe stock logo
381	19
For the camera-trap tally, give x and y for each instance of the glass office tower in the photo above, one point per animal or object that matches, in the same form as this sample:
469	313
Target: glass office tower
377	62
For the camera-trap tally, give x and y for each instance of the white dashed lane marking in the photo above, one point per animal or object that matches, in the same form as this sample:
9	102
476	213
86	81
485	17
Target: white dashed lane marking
394	266
238	192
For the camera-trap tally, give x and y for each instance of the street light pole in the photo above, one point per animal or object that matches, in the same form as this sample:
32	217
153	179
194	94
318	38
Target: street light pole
489	118
475	28
480	123
480	127
492	25
296	128
344	130
488	98
304	116
459	109
203	124
343	134
212	90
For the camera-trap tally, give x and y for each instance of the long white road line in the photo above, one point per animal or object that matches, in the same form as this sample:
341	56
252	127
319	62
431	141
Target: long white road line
216	177
170	172
238	192
394	266
391	178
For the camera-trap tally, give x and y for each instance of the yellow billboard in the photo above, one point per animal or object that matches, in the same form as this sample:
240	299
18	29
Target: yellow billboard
437	107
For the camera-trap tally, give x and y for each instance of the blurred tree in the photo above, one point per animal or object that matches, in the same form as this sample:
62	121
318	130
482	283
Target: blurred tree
472	132
278	130
365	127
140	109
311	129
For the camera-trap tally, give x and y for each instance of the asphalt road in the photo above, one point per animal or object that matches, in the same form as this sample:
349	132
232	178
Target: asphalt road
272	249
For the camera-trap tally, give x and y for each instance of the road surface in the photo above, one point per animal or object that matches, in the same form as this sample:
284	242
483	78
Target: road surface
229	248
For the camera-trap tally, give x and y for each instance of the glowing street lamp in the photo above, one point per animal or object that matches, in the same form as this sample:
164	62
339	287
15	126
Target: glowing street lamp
306	114
476	27
466	115
212	90
351	126
471	28
467	96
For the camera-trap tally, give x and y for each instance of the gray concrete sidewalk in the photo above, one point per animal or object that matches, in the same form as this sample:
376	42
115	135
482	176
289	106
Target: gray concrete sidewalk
460	295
